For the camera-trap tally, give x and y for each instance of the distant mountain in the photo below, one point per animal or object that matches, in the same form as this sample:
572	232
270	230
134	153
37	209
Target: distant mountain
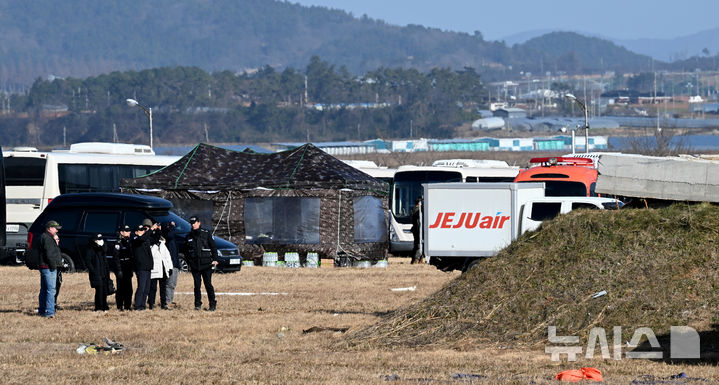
669	50
678	48
82	38
522	37
572	52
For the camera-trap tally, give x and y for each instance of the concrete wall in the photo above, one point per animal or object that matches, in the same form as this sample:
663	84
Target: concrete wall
668	178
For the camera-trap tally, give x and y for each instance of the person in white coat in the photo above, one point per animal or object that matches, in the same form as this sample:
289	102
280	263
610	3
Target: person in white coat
162	269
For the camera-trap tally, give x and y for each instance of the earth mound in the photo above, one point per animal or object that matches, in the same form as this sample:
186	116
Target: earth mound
658	267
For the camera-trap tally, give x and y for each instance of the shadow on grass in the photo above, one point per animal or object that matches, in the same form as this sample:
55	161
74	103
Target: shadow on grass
708	348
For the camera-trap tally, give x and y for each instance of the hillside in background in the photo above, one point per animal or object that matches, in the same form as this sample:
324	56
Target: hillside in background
86	38
572	52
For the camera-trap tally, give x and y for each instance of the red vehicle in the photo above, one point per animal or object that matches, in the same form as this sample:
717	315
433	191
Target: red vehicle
562	176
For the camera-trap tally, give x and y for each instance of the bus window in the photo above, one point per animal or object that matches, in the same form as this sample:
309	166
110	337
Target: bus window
20	171
408	186
97	177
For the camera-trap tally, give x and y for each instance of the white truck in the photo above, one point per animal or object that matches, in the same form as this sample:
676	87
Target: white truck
466	222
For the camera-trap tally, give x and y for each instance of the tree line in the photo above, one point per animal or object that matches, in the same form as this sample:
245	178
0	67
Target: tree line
322	102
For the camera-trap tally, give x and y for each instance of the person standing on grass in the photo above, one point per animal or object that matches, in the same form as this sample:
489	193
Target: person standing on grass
98	271
58	280
51	260
416	230
161	271
124	265
143	265
201	253
168	232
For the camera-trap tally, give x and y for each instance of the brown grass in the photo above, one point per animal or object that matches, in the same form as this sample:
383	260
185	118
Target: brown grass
259	339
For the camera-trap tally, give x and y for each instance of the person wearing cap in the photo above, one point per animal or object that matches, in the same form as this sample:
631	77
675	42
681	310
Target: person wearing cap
124	265
98	271
51	260
143	265
201	253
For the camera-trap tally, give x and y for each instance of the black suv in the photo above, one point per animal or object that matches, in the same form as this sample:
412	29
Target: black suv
85	214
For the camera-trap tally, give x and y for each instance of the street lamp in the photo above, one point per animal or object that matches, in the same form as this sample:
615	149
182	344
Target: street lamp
586	120
147	110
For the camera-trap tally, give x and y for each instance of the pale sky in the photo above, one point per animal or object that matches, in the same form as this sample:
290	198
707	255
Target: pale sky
620	19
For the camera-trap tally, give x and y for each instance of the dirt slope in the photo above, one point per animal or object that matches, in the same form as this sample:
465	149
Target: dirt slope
659	267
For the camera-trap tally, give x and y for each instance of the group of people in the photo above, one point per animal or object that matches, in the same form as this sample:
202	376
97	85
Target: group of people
150	253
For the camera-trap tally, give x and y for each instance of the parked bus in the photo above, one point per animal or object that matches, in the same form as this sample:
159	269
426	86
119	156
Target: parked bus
407	186
562	176
371	168
34	178
5	254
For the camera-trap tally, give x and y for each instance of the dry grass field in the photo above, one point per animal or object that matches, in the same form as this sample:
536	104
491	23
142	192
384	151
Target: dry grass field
259	339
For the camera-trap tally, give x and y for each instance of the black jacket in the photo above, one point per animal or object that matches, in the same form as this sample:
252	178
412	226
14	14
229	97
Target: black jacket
141	251
200	249
97	266
122	256
50	251
168	232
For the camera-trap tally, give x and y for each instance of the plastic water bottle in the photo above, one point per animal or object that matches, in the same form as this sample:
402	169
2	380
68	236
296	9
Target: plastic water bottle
292	260
269	258
313	260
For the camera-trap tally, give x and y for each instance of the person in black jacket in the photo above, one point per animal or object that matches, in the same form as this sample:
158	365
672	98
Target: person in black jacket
201	253
124	265
51	260
143	265
99	271
416	230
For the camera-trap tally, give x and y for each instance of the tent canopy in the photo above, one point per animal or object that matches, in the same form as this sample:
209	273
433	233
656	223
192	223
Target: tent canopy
212	168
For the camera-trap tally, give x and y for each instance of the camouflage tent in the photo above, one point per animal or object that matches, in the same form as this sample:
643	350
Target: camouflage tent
301	200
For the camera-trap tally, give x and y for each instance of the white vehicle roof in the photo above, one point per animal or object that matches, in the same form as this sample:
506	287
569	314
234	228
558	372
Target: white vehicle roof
111	148
475	163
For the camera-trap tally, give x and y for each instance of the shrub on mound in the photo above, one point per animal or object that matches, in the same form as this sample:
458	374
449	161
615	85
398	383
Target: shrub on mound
659	267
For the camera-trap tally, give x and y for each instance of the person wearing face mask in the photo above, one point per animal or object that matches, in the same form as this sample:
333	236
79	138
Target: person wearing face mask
99	271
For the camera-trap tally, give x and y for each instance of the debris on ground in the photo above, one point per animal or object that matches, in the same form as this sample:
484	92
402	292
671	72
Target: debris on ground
315	329
110	346
411	288
576	375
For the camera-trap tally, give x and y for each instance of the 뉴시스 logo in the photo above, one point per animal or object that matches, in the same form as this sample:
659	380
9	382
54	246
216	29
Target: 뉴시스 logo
683	340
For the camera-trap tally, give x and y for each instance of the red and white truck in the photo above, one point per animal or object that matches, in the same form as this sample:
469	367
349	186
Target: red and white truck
465	222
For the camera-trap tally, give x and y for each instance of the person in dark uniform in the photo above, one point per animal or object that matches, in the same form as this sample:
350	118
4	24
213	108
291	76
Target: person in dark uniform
98	271
201	253
124	265
143	265
416	229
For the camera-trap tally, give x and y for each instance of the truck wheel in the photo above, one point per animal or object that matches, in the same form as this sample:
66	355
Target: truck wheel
184	267
68	266
470	263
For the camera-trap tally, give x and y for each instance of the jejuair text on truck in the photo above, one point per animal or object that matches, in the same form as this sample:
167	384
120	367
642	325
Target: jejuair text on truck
446	220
